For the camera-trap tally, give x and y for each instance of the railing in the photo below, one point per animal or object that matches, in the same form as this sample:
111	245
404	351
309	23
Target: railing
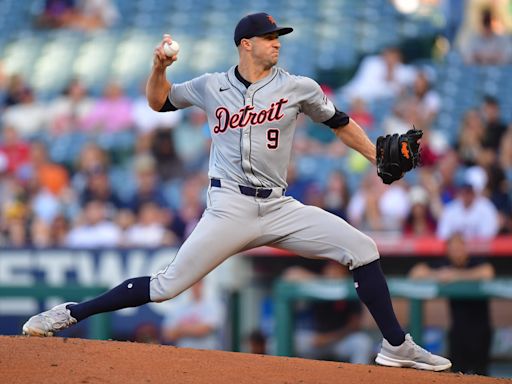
99	324
285	293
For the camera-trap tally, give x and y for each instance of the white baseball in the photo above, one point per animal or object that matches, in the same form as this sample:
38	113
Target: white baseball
171	49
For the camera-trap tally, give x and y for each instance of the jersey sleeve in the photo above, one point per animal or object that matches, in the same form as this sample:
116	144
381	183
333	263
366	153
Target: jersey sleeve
189	93
314	102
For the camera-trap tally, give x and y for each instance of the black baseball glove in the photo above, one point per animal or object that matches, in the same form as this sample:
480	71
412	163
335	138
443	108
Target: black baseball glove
397	154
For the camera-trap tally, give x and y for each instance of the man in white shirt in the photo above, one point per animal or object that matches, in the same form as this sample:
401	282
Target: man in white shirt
471	214
380	76
196	321
96	231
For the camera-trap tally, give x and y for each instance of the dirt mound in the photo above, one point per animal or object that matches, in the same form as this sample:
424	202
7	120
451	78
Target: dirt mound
61	360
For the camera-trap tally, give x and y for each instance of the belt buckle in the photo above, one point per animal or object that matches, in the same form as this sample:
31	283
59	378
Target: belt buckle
263	192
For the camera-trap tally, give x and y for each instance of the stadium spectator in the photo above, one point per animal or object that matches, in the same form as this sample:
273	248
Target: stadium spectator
440	181
314	195
313	139
15	90
192	202
417	105
470	138
148	184
147	332
434	145
379	76
111	113
505	157
98	187
429	181
28	116
45	205
59	231
163	149
84	15
394	205
67	111
471	214
497	189
257	342
196	320
191	139
15	150
147	120
4	80
55	14
16	233
42	173
495	128
94	14
377	207
501	18
13	197
91	159
297	184
363	208
94	229
149	230
468	316
40	234
336	195
359	112
487	47
421	220
14	214
334	330
125	219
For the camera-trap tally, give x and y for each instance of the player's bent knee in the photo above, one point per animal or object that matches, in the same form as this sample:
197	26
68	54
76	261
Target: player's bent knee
367	251
162	290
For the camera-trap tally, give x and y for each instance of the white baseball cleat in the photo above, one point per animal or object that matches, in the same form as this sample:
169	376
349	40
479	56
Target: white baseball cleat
48	322
410	355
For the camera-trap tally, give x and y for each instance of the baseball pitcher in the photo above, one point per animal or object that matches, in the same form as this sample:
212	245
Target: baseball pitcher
252	111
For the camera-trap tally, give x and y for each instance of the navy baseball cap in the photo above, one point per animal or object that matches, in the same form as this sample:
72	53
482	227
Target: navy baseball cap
257	24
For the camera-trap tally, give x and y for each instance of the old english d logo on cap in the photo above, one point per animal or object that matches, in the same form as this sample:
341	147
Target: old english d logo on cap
258	24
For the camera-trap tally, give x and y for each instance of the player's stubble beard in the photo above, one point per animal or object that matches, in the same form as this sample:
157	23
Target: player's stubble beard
269	61
265	59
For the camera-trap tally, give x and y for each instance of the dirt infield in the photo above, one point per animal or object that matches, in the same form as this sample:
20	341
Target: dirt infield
60	360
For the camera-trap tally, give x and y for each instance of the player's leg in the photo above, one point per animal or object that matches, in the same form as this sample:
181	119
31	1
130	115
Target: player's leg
315	233
312	232
221	232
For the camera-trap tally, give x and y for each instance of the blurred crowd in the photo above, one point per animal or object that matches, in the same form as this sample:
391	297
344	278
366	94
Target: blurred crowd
84	171
80	171
84	15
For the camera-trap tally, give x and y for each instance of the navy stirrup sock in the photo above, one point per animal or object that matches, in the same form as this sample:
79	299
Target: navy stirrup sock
130	293
373	291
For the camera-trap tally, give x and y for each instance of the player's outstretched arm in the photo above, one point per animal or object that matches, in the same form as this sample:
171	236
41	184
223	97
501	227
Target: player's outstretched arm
158	87
355	137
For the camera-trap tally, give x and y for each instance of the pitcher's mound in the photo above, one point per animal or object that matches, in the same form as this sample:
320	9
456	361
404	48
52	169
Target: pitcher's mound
60	360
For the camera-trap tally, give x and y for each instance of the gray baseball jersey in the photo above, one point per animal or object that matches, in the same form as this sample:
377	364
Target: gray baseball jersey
252	128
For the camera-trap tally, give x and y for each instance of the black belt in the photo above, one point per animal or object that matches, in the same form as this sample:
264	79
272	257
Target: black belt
248	191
